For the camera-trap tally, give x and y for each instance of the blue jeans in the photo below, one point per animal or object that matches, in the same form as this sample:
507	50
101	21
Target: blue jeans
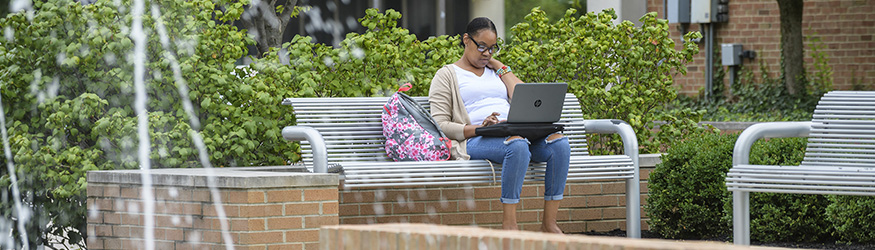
515	155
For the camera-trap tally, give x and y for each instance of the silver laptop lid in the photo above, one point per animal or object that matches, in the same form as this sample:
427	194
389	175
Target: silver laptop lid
537	102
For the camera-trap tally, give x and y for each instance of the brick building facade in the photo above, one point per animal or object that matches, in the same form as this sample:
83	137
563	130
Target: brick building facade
845	28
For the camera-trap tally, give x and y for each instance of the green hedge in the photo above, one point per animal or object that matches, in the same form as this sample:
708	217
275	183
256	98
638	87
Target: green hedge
68	94
686	191
688	197
617	71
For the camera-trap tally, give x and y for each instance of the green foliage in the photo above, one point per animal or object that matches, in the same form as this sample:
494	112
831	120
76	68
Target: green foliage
686	191
515	11
617	71
764	98
688	197
579	51
777	217
785	217
852	217
375	63
67	89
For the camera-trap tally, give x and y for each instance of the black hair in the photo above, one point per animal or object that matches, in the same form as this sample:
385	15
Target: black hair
476	25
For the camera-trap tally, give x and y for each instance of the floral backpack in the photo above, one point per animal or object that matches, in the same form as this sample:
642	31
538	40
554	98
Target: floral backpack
411	134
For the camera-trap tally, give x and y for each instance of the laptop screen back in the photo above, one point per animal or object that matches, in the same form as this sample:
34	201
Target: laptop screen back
537	102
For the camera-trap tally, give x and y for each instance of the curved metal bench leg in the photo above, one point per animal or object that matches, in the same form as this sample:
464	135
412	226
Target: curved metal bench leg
741	217
630	148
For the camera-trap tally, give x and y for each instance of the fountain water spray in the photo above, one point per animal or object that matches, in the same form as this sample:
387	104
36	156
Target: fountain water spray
182	86
23	215
138	36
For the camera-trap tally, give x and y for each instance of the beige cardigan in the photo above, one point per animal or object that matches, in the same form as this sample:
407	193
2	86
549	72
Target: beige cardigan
448	110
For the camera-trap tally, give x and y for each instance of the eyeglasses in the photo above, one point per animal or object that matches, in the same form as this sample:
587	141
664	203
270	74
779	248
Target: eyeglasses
492	50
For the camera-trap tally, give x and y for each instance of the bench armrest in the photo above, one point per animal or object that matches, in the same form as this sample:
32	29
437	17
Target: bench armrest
741	152
630	148
320	153
615	126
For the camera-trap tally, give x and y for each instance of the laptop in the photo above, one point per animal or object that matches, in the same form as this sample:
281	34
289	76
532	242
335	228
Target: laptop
537	102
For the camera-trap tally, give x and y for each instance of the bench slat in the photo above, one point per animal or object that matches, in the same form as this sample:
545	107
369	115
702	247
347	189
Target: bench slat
844	146
799	189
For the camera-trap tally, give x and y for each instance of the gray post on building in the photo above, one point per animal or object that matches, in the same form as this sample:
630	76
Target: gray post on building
494	10
441	17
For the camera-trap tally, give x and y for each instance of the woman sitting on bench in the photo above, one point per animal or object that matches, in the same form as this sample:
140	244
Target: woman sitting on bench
476	90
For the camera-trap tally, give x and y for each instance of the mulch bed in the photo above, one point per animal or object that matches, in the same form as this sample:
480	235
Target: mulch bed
807	245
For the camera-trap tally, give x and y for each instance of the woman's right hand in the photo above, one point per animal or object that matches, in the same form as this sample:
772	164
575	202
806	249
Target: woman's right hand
491	119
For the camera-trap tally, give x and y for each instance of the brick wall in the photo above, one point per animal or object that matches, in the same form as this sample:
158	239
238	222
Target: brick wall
264	210
845	27
421	236
587	206
275	209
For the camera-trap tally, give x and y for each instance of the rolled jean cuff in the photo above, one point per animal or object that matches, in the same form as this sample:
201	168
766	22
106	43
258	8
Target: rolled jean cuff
553	198
509	201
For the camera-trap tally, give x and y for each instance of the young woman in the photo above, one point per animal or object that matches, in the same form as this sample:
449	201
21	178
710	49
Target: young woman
474	92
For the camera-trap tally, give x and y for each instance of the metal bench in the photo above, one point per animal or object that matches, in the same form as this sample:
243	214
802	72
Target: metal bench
344	135
839	159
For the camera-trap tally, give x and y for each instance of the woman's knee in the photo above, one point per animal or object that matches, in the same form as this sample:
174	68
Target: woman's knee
517	145
558	144
512	138
555	136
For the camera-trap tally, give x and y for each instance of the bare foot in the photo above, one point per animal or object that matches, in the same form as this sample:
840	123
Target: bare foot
512	227
552	228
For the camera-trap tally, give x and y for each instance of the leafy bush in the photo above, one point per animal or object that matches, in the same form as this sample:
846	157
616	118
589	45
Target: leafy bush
67	86
686	190
785	217
375	63
852	217
580	52
617	71
778	217
688	196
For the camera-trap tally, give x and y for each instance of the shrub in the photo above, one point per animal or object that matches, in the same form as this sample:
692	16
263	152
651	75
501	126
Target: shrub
688	196
785	217
779	217
67	89
375	63
581	52
617	71
686	190
852	217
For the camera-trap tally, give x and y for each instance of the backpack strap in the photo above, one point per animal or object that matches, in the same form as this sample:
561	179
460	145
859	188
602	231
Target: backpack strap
405	87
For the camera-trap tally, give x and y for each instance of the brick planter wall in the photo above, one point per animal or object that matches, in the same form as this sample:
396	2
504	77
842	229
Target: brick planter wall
271	207
588	206
265	209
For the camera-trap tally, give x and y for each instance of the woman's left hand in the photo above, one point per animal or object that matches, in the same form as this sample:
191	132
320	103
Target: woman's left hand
491	119
494	64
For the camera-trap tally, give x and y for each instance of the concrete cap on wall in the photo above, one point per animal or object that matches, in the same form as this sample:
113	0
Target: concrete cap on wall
237	177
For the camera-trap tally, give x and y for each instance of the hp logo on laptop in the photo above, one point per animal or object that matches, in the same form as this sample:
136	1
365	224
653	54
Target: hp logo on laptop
538	103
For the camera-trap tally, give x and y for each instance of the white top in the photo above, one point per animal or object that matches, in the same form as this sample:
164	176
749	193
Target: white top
482	94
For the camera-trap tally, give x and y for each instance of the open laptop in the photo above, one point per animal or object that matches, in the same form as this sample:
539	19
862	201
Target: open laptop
537	102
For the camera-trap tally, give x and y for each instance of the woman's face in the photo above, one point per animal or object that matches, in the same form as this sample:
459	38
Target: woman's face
486	40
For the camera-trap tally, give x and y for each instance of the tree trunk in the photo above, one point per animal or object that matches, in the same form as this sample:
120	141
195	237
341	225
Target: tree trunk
791	45
268	26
